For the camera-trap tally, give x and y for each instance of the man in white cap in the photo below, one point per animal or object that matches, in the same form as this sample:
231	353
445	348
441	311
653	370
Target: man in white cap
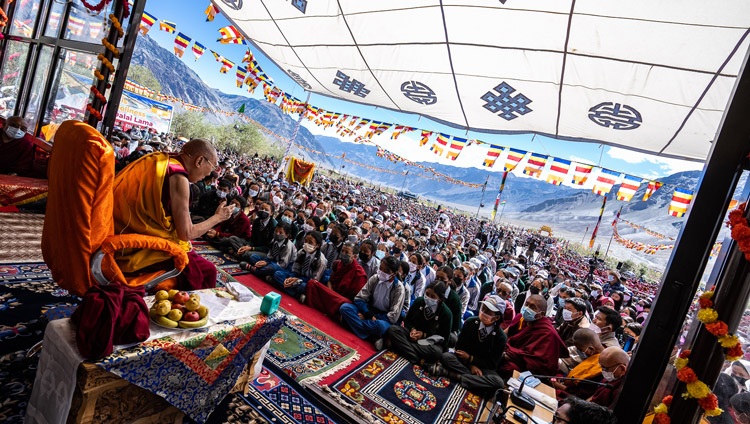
480	346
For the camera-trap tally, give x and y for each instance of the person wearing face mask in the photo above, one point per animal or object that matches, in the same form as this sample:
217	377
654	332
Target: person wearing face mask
347	279
574	317
427	271
237	225
589	348
288	216
17	148
606	322
478	350
458	285
614	362
533	342
367	259
332	247
310	224
309	264
596	296
211	200
378	305
382	251
262	232
281	254
414	280
426	330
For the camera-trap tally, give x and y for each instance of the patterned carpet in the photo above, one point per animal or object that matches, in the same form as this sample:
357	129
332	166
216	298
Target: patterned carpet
388	388
223	261
22	237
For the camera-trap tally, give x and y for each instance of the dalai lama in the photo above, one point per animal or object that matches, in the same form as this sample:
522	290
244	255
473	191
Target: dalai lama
152	197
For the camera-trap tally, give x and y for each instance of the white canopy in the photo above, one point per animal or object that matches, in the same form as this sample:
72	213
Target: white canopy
653	76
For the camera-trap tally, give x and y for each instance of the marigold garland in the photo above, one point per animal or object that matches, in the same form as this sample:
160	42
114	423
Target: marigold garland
116	24
740	229
696	389
93	112
710	318
662	410
111	47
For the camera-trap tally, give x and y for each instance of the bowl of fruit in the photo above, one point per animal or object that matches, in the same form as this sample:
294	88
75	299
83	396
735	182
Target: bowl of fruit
174	308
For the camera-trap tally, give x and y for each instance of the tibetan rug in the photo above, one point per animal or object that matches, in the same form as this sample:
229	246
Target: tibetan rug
387	388
223	261
21	239
279	401
307	354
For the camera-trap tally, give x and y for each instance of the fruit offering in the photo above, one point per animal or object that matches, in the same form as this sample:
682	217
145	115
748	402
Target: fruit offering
175	308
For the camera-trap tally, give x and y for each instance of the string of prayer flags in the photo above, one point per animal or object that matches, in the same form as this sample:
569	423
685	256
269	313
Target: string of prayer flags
226	65
492	154
652	187
535	165
581	173
230	35
456	145
198	50
167	26
605	181
181	41
424	138
628	187
681	199
400	129
75	25
95	29
558	171
147	21
514	157
241	73
211	12
440	144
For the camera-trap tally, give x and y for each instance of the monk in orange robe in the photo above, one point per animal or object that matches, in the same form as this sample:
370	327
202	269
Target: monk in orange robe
152	197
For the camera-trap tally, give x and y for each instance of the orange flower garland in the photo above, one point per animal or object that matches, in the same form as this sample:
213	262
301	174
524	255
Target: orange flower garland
662	410
740	229
710	318
696	389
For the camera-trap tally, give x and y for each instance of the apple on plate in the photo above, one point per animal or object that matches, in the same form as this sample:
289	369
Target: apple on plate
181	297
191	316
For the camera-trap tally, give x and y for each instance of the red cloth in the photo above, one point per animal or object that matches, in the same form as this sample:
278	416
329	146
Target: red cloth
17	156
607	396
238	225
198	274
534	347
109	315
346	280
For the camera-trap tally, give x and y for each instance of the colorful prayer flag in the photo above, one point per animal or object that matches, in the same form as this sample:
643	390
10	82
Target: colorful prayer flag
558	171
241	73
400	129
535	165
680	201
373	128
181	41
514	157
456	145
440	144
652	187
230	35
605	181
217	56
492	155
198	50
425	138
226	65
241	109
581	173
211	12
95	28
629	186
167	26
249	58
362	123
75	25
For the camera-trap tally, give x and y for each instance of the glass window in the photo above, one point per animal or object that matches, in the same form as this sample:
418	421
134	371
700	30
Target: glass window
55	19
70	90
85	26
12	72
37	86
24	18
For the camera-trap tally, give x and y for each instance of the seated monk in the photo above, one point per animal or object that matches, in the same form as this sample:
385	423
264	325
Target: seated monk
588	344
152	197
347	279
533	343
16	148
614	363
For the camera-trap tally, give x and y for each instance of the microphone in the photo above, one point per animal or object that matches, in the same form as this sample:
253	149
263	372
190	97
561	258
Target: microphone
525	401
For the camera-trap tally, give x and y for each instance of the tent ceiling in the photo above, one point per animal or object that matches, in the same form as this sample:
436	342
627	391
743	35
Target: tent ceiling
643	75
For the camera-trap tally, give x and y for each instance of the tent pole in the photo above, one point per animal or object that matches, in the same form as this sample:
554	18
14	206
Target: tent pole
689	257
289	145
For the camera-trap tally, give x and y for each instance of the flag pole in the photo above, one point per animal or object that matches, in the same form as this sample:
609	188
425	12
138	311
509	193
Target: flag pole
497	199
284	161
596	228
614	224
584	235
481	201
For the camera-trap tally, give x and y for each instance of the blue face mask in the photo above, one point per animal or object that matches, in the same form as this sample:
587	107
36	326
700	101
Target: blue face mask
528	314
561	302
379	254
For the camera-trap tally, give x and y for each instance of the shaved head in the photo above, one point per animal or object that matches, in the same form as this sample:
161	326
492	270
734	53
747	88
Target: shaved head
199	147
539	301
586	337
200	159
612	356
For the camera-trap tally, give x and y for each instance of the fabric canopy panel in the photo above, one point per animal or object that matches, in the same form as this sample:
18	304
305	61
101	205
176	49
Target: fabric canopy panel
643	75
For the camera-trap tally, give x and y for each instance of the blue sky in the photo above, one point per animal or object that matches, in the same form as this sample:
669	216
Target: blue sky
190	20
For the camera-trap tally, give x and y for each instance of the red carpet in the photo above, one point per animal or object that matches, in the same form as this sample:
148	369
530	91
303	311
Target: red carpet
318	320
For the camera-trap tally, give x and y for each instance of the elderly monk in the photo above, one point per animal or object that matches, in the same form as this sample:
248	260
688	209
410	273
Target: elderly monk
16	148
590	347
533	343
152	197
614	362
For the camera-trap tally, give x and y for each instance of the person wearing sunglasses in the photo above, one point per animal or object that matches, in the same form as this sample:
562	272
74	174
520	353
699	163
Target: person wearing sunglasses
573	410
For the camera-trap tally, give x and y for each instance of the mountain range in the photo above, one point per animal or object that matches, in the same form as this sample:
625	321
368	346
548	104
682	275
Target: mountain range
531	202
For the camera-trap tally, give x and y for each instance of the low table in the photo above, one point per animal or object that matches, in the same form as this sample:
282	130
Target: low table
187	371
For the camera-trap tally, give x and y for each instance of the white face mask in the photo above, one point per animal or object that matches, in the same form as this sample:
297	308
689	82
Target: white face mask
14	133
431	303
236	210
308	212
309	248
297	202
252	193
307	228
384	276
412	267
608	375
567	315
595	328
595	293
221	194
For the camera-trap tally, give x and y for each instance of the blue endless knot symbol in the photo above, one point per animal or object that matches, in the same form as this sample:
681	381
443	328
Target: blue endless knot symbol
504	104
349	85
615	116
418	92
301	5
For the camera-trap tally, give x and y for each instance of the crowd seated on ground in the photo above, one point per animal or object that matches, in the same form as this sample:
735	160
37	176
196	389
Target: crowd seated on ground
462	297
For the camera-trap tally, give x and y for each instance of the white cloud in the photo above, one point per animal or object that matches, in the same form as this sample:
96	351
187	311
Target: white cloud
581	160
667	166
